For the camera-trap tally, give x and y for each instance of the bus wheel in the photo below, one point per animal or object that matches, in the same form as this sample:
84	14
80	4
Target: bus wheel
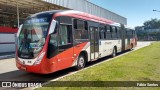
81	62
114	53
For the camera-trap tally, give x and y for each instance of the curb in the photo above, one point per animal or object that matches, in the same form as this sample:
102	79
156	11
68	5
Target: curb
7	56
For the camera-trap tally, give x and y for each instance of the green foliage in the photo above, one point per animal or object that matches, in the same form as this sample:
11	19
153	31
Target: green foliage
152	24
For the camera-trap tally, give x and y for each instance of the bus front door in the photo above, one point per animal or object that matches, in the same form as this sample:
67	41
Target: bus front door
94	43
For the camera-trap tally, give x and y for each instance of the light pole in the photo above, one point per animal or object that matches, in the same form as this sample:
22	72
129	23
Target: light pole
156	10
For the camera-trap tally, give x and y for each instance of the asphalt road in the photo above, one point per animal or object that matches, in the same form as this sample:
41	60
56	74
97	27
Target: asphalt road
9	72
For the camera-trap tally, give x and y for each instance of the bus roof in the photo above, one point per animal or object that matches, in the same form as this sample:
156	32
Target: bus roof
84	16
80	15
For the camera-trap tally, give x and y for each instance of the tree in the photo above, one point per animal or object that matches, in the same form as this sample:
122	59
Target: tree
152	24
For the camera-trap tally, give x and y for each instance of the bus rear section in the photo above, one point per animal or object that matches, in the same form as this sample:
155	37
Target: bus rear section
128	36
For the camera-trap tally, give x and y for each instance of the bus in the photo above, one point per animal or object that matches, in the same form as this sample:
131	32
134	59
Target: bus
54	40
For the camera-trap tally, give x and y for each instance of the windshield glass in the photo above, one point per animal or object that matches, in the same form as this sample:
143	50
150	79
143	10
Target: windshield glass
32	36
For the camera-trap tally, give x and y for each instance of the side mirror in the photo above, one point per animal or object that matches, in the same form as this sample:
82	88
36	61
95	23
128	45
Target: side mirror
52	27
19	30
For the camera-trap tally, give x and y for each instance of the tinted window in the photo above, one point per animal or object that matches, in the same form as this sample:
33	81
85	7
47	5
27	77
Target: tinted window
102	34
114	32
118	32
108	32
65	35
80	29
80	24
66	20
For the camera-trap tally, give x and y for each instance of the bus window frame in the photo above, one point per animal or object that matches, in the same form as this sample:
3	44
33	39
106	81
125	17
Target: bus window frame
75	27
102	31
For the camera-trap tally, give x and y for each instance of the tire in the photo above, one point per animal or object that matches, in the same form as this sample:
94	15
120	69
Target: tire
81	62
114	53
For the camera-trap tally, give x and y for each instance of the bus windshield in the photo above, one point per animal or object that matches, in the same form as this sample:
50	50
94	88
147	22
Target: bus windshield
32	37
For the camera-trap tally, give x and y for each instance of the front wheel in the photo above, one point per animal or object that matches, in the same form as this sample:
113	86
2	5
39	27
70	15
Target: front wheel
81	62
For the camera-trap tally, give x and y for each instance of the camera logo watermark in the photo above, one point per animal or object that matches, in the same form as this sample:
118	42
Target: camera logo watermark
6	84
20	84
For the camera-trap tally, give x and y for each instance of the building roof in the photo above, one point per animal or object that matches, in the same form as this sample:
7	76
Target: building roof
88	7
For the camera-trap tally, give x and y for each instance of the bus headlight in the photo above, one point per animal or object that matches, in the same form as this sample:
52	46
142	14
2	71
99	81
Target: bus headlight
39	59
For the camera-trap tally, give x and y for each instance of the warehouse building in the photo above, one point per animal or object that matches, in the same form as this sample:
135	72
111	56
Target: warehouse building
13	13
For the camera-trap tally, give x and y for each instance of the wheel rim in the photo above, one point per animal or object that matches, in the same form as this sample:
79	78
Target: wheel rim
81	62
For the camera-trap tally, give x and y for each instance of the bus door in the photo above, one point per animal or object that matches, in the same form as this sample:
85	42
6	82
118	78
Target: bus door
65	44
123	37
94	43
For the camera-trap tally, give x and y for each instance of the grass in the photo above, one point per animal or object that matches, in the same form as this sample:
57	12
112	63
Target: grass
140	65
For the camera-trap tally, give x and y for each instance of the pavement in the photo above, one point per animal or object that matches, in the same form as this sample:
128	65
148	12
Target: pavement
9	72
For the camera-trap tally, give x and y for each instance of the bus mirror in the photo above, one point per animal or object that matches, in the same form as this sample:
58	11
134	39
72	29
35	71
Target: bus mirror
19	30
52	27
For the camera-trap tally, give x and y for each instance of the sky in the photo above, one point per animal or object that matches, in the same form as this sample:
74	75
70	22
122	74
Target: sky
136	11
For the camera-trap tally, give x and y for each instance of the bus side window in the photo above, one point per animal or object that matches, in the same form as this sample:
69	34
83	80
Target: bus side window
75	23
126	33
85	31
133	33
105	32
118	32
102	34
108	32
80	29
65	35
86	25
111	31
130	34
114	33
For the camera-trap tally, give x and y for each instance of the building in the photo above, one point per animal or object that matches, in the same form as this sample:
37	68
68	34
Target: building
13	13
88	7
7	39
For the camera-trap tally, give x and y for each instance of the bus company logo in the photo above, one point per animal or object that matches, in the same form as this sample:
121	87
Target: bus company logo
6	84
